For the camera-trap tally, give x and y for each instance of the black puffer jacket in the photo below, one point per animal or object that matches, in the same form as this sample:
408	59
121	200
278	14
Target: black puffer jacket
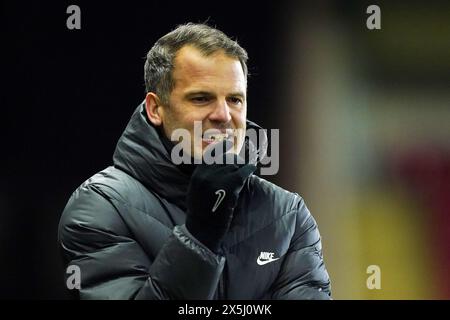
124	229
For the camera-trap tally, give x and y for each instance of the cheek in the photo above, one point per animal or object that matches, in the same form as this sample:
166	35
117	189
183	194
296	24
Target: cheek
186	115
240	118
178	119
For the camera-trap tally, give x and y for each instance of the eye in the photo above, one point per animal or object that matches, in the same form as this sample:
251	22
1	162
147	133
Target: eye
200	99
235	100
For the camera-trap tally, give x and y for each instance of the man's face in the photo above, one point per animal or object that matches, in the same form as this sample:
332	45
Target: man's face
211	90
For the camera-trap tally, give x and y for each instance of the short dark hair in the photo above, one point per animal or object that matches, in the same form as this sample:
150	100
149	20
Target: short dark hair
159	64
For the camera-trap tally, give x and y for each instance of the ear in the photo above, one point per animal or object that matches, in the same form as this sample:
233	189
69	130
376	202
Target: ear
154	109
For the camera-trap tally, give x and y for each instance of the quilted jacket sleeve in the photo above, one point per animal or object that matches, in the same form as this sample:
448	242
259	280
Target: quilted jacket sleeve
113	265
303	274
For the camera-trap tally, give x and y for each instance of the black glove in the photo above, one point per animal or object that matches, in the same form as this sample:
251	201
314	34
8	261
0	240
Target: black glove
213	194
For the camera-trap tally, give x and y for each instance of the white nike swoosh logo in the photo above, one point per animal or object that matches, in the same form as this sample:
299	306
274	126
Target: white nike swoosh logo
262	262
220	196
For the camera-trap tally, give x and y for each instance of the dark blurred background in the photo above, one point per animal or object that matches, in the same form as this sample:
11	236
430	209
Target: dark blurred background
364	119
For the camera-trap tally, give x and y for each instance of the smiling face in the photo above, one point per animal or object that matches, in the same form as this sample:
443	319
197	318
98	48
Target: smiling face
209	89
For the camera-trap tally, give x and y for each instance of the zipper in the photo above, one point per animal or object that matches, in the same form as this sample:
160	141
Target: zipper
221	291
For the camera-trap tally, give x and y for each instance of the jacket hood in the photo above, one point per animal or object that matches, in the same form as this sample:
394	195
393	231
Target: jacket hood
141	153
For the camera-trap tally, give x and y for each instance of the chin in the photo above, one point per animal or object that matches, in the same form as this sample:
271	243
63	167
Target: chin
198	154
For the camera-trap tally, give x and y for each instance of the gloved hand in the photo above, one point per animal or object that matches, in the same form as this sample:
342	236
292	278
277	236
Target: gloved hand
213	194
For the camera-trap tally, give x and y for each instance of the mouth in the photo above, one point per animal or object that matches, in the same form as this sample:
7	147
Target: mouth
216	136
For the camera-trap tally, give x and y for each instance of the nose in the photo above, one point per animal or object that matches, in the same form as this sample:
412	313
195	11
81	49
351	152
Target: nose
221	112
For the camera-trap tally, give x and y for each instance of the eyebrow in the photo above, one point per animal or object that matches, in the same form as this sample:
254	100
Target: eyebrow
197	92
207	93
238	94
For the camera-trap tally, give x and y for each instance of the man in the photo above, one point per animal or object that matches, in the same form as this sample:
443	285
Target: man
147	228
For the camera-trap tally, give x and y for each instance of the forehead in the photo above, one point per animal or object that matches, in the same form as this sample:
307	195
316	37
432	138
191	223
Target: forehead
192	68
